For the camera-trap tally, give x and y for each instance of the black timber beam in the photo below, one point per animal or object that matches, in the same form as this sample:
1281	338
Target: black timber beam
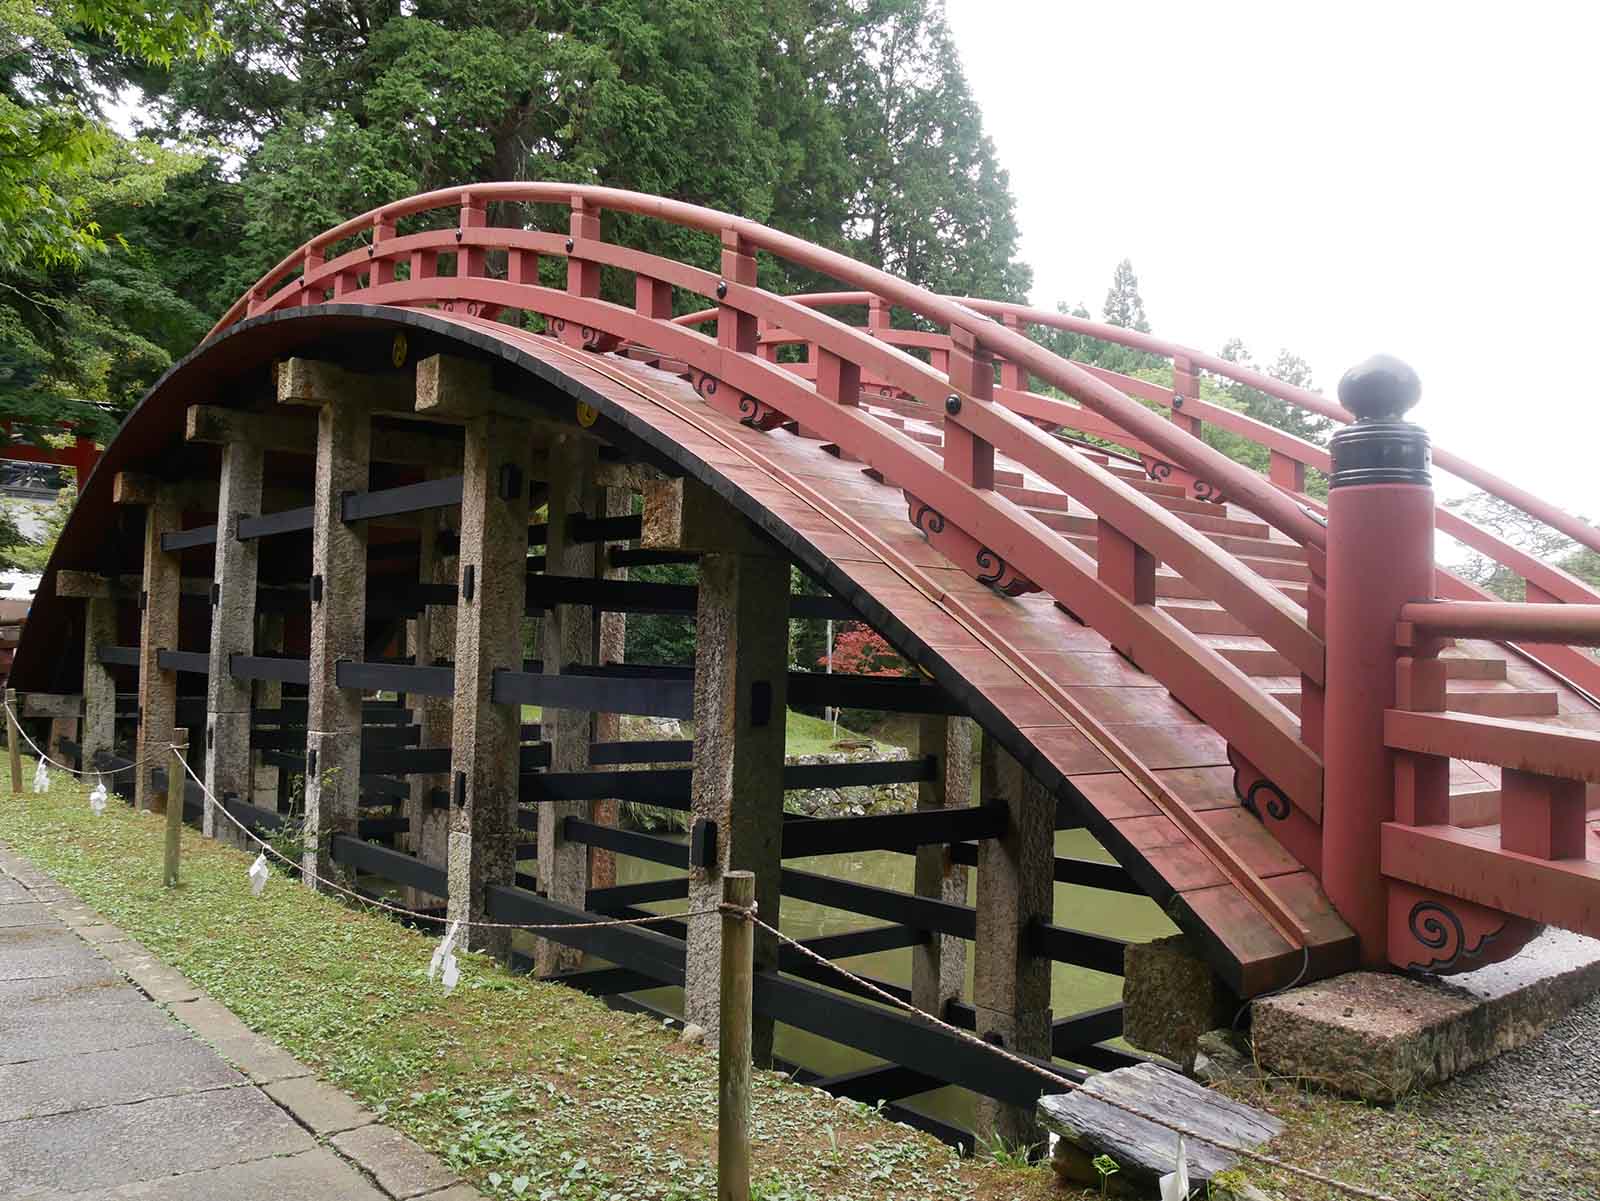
410	498
886	1082
391	865
267	667
626	896
627	842
896	1037
200	535
193	662
395	677
632	947
287	522
597	694
891	831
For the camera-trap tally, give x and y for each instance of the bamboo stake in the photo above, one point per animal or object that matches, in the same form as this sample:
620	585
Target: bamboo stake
176	779
734	1039
14	737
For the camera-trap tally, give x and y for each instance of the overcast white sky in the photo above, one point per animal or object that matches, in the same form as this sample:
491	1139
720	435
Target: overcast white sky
1332	178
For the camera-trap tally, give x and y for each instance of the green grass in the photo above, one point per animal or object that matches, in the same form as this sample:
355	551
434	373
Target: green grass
527	1089
807	735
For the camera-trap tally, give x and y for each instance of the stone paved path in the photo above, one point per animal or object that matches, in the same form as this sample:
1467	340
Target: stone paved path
112	1092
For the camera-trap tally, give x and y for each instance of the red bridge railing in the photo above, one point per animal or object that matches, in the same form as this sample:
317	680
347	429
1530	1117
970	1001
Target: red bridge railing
972	369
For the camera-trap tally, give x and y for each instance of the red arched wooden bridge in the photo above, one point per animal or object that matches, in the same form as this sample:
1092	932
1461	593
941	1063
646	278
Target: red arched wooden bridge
1286	724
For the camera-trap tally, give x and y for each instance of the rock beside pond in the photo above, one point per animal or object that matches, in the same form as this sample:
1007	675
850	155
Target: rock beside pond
1146	1150
856	800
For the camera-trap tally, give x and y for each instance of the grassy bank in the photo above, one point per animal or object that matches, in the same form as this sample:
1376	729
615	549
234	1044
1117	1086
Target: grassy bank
528	1089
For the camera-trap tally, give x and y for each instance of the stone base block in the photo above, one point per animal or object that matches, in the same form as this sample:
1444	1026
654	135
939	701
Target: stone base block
1170	997
1379	1036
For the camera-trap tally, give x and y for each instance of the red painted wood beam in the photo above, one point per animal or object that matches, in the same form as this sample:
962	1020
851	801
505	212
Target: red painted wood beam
1472	865
1524	745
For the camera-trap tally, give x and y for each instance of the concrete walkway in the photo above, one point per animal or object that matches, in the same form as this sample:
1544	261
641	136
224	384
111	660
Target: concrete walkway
149	1089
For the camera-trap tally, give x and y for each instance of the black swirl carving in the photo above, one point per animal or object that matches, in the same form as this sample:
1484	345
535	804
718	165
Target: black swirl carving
1438	929
706	385
749	410
1205	490
1158	470
590	336
1277	805
928	519
560	324
995	566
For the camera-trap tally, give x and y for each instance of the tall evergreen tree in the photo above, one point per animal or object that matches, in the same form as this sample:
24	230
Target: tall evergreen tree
1124	306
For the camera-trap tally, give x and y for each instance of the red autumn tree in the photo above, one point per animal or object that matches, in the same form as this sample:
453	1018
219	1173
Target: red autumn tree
859	650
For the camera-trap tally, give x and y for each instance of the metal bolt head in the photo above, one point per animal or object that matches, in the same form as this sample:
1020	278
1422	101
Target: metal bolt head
1380	387
570	245
722	289
1177	400
952	404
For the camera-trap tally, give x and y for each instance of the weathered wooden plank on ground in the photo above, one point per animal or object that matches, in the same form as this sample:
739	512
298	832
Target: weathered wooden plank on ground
1146	1150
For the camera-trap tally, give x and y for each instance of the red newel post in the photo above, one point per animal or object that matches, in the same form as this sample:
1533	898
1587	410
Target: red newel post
1380	556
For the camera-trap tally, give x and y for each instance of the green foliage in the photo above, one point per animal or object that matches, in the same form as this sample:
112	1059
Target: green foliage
1124	306
661	637
1528	534
32	554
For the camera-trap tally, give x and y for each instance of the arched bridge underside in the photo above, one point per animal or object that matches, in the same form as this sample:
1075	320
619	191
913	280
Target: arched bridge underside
1135	620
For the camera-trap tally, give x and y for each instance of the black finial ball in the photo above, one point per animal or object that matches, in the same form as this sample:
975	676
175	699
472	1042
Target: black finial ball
1380	387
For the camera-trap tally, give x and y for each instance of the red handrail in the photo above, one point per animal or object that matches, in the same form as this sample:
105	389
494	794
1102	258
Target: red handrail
1242	484
1579	531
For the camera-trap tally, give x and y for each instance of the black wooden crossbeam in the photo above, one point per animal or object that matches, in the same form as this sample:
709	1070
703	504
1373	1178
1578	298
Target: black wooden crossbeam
644	596
886	1082
644	750
200	535
599	694
391	865
118	656
846	775
193	662
287	522
410	498
889	693
395	677
1090	873
606	981
622	556
627	842
896	1037
406	761
668	787
269	667
627	896
1096	951
633	947
894	831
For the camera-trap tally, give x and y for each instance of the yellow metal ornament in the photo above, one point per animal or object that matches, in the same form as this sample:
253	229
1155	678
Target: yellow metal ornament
397	352
587	414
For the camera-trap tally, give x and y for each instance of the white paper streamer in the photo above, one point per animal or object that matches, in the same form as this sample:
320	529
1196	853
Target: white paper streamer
259	871
97	798
444	958
1175	1185
41	778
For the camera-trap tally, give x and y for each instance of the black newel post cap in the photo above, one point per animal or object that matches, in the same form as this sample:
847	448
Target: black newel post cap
1381	386
1381	447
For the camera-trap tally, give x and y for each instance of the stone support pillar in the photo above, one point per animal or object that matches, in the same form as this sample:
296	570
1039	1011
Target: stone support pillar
1011	986
158	630
338	631
432	640
569	637
740	694
490	603
939	966
233	630
612	648
99	685
267	696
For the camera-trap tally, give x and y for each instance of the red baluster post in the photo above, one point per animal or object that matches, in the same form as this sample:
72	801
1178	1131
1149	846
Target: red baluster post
1380	556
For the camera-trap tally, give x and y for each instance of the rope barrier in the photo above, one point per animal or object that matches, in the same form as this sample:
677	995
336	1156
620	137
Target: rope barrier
751	915
16	723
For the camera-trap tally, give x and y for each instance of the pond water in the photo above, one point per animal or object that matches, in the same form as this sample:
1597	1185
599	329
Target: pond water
1072	989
